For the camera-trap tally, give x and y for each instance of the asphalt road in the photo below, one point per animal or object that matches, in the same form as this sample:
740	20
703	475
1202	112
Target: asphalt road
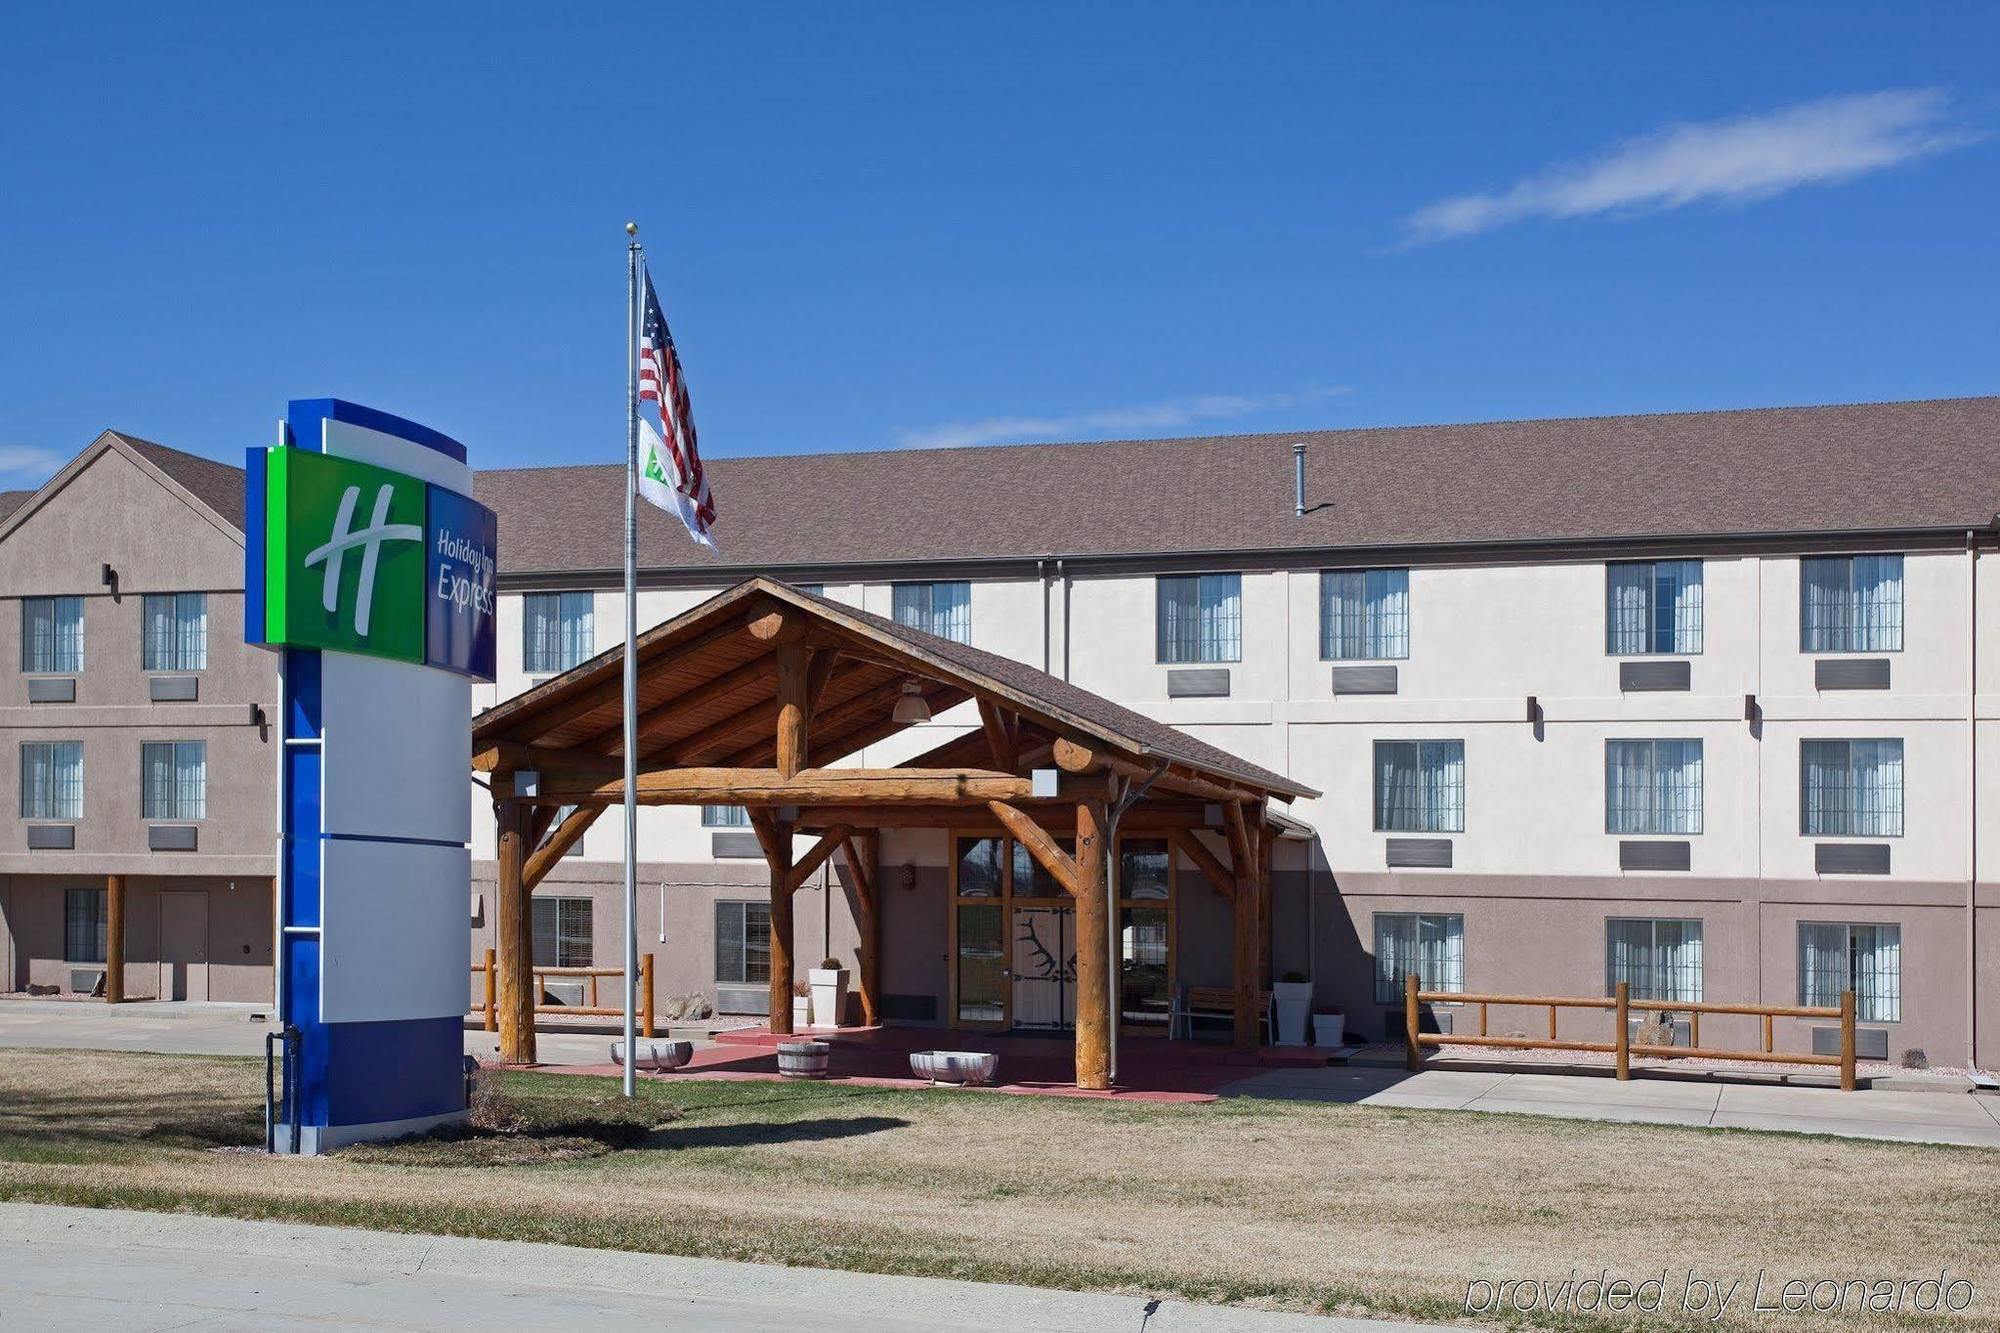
81	1268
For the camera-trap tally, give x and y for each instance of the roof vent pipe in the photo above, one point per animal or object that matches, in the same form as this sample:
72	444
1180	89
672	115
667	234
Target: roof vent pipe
1299	480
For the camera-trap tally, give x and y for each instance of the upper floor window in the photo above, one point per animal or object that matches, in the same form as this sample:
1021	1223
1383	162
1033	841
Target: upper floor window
1364	614
173	776
1652	786
742	944
176	636
1851	604
1653	606
52	634
943	609
1420	786
52	780
562	932
725	816
1200	618
1433	947
84	923
1851	789
1658	960
558	631
1835	956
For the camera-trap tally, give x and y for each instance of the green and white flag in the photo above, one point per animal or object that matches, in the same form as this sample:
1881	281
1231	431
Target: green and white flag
670	474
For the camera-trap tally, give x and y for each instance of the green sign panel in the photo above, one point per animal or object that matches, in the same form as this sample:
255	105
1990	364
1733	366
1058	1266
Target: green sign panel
345	552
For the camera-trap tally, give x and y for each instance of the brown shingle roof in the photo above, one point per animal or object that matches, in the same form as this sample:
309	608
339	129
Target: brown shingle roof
217	485
1767	470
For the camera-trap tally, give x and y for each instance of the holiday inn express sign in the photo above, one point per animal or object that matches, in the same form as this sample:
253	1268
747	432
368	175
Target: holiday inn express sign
370	570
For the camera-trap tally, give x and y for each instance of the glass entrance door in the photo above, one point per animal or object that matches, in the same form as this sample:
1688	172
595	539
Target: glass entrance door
1044	968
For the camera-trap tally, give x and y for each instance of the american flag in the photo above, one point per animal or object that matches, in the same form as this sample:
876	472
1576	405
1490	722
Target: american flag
670	473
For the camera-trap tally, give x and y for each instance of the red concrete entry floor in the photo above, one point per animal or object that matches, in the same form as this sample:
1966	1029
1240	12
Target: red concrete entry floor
1150	1069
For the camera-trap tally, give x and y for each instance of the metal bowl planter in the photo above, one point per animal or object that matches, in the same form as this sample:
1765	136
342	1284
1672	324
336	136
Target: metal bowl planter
970	1068
802	1059
659	1056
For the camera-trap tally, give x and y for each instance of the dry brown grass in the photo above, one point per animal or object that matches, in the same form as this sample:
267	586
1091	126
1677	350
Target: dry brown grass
1338	1207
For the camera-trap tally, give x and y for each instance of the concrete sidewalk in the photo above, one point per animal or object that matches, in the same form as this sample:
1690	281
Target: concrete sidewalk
75	1268
1912	1117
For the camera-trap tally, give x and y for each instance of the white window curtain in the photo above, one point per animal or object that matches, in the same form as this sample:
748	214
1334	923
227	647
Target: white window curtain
84	922
1431	946
52	634
943	609
1420	786
176	633
1364	614
1659	960
174	778
1652	786
52	780
725	816
558	630
1851	788
1851	604
1653	607
1200	618
1837	956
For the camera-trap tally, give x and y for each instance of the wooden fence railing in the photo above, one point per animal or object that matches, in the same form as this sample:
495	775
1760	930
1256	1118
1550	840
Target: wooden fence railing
489	1007
1622	1006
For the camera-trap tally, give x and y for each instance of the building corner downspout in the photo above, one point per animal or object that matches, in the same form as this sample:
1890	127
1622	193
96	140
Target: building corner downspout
1972	803
1042	579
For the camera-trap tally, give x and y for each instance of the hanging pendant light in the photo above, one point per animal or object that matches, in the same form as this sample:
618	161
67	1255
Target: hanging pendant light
911	707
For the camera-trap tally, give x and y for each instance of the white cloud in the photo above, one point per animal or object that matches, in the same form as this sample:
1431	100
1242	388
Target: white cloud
1169	414
25	461
1750	157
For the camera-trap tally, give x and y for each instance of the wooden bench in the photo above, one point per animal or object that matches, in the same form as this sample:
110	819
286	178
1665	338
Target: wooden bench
1211	1004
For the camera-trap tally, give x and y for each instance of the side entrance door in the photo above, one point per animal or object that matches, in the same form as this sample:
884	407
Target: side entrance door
1044	968
184	945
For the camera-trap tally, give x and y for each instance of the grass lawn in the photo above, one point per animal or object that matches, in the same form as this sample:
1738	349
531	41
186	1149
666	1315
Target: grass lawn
1341	1208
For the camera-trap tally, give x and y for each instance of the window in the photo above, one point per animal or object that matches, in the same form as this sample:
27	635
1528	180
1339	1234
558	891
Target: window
1653	606
943	609
1420	786
83	925
1652	786
1851	789
1364	614
557	631
174	779
816	589
1200	618
1433	947
1868	960
562	932
742	944
1659	960
52	634
176	632
1851	604
725	816
979	867
52	780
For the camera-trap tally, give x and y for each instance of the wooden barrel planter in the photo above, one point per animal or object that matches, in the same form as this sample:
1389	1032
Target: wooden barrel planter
802	1059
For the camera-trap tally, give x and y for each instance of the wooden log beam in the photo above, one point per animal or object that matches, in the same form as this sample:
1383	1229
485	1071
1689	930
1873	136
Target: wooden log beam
794	699
547	760
1242	851
1188	844
812	786
783	625
1093	942
868	921
824	660
114	939
829	842
825	721
514	927
1056	817
1065	868
556	846
1000	738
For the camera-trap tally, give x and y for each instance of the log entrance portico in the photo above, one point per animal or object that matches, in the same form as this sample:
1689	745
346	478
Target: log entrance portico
763	696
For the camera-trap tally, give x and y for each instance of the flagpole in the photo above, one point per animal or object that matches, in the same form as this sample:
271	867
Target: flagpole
631	708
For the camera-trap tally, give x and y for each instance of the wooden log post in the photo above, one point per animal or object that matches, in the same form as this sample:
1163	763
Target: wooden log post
646	995
492	1016
860	851
1243	855
794	702
514	927
776	836
1413	1050
1093	943
1622	1034
1846	1041
114	939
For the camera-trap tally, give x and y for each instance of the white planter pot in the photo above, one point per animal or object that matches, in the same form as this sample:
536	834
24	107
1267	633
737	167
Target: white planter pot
802	1013
829	994
1329	1029
1294	1001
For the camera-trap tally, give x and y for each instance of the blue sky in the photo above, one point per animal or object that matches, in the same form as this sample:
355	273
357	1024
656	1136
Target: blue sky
881	225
